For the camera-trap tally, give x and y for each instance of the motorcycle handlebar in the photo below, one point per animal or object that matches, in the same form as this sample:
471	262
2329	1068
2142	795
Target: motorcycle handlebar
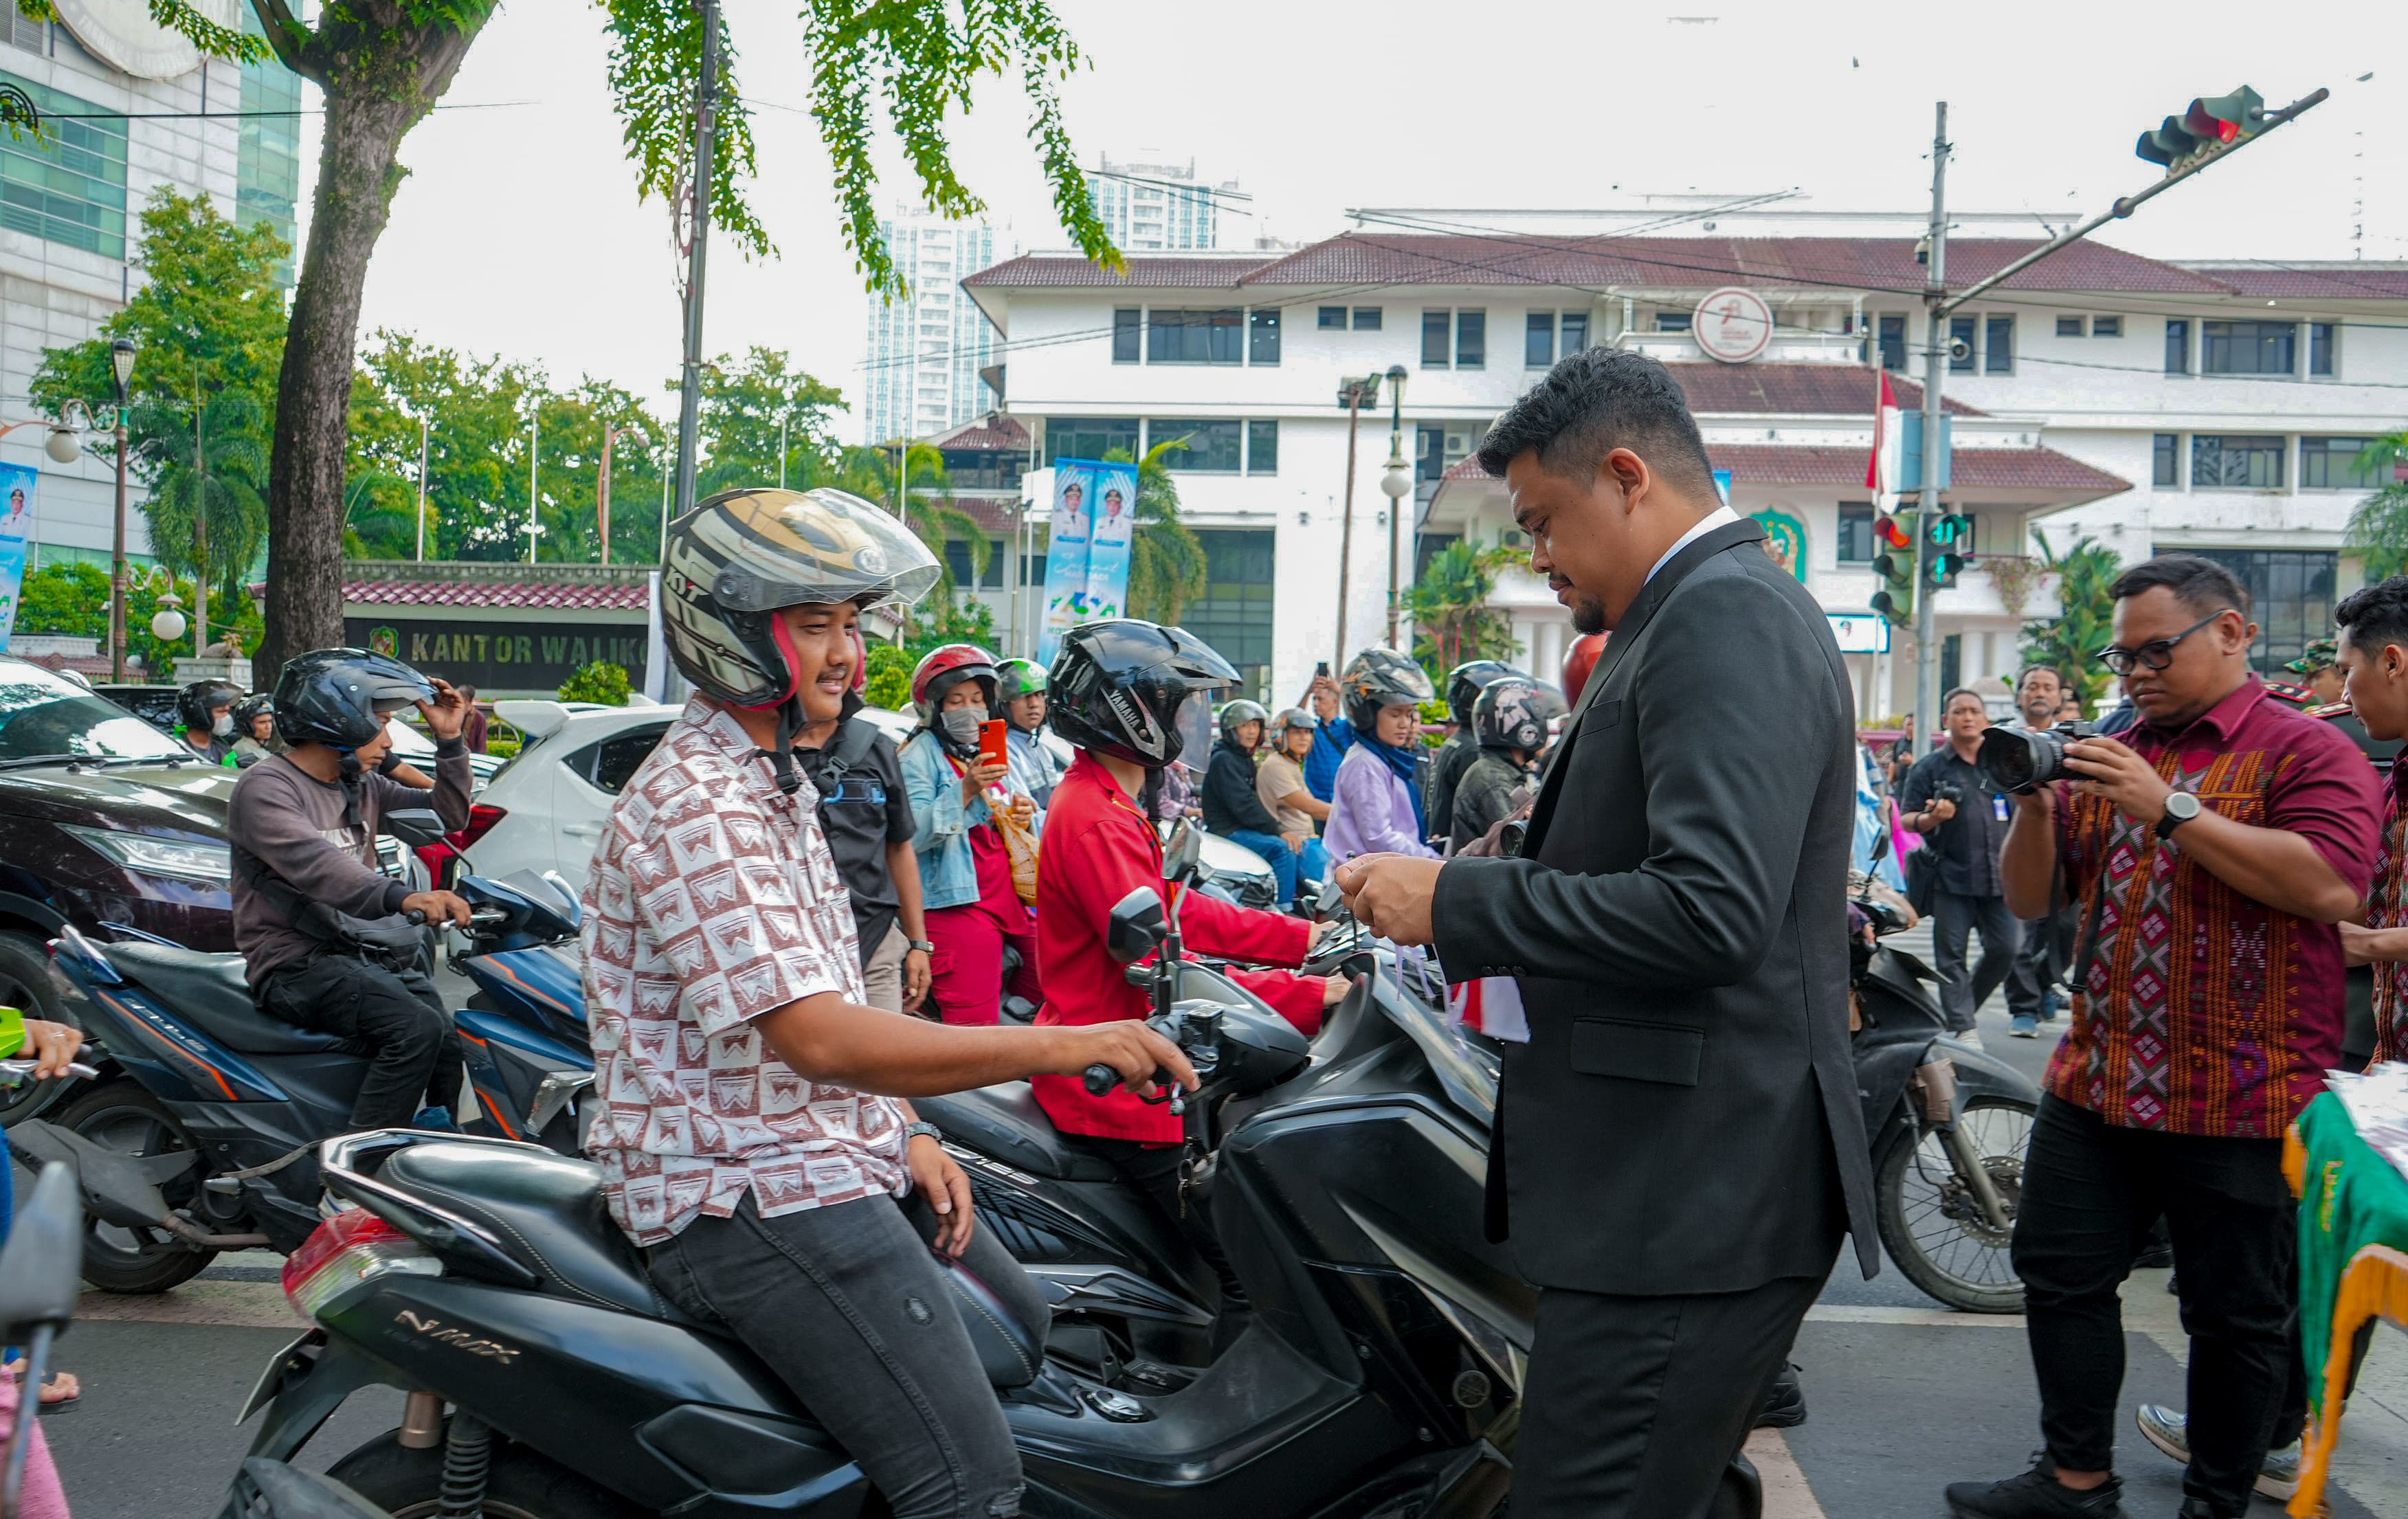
14	1071
1102	1078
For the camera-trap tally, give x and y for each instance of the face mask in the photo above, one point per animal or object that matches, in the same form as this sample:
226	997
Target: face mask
224	726
962	725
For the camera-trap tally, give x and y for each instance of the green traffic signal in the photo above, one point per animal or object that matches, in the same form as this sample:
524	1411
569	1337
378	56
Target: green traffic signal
1950	528
1944	568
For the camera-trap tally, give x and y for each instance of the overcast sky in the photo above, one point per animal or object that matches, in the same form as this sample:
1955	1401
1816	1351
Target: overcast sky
518	231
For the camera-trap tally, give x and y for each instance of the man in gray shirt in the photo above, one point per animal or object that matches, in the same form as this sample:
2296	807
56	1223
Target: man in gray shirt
304	827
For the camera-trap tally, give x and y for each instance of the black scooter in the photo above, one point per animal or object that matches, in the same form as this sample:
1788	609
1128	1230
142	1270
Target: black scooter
1380	1376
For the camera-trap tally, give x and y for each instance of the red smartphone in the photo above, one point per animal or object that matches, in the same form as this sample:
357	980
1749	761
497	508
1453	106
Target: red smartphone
991	745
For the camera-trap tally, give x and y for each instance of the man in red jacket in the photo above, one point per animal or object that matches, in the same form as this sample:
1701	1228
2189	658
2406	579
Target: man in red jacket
1116	688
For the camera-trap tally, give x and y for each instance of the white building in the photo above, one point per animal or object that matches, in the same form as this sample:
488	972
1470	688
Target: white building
1150	205
70	203
925	348
2150	404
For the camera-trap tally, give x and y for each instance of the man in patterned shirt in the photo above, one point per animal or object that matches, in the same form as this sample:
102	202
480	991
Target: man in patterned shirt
750	1125
2211	849
2375	663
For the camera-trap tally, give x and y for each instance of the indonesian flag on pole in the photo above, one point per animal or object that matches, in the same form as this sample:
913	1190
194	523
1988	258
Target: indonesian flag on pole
1885	469
1491	1004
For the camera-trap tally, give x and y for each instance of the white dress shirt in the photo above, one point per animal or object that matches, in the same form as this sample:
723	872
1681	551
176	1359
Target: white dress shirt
1719	517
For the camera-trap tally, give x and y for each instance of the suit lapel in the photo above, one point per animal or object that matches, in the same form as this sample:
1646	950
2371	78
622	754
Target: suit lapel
1746	530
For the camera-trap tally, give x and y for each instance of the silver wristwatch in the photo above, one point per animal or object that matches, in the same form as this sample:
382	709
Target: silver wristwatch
924	946
2180	808
913	1130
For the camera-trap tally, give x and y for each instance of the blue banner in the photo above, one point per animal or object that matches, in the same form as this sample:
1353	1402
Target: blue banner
19	487
1108	539
1087	560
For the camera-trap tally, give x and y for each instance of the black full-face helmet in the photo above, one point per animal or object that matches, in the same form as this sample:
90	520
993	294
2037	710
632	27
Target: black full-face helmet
340	697
1117	687
1464	682
1514	713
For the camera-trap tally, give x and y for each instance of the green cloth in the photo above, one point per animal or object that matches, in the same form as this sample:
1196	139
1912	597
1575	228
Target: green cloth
2350	1197
12	1032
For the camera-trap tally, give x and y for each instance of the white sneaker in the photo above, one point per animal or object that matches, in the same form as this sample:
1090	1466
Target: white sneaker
1970	1039
2168	1431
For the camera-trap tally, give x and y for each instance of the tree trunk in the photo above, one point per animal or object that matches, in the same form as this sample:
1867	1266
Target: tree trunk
380	74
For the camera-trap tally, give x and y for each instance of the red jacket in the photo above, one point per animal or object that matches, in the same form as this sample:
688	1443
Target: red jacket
1099	847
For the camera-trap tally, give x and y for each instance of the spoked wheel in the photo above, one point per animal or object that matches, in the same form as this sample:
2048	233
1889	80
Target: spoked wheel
520	1484
32	985
1931	1223
124	1117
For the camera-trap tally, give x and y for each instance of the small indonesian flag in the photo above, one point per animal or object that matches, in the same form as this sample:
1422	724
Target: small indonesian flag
1492	1004
1883	470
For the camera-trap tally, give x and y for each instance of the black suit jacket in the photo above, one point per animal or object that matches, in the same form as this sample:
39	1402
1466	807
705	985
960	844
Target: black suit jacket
1685	1116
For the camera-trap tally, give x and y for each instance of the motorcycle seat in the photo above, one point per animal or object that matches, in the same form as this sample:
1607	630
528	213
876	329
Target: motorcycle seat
209	992
1005	1124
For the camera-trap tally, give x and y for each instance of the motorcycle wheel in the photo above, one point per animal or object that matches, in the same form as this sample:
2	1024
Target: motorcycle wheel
124	1117
31	984
1931	1225
521	1485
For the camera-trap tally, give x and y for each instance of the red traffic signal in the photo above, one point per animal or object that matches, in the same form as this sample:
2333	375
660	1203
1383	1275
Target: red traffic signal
2211	121
1895	531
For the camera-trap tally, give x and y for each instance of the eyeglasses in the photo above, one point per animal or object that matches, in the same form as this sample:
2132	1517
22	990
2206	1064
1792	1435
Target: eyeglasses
2158	653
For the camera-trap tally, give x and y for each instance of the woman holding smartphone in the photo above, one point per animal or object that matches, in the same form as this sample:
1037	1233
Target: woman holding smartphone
954	772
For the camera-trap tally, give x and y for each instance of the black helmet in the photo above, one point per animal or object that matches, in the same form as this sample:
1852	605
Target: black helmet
1117	685
340	697
1464	682
1242	712
248	708
1513	712
197	704
1378	678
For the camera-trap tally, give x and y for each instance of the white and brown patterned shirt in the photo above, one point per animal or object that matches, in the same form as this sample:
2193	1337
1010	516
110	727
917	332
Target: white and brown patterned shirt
714	900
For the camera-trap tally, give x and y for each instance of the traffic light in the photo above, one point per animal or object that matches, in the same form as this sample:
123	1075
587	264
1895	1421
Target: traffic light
1950	534
1894	562
2210	122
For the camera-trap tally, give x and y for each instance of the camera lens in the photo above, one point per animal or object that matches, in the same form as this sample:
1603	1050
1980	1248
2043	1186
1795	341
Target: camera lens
2012	760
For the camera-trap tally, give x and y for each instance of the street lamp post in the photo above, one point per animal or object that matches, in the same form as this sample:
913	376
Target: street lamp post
1397	484
422	489
121	365
1353	395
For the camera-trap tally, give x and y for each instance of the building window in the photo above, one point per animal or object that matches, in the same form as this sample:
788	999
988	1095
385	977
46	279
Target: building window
1674	321
1262	448
2236	462
2106	326
1539	340
1235	614
1998	345
1470	339
1856	541
1176	336
2330	464
958	559
2177	346
1211	446
22	31
2069	327
1437	339
1893	343
1089	437
2246	347
2320	344
69	188
1366	318
1960	330
2290	593
1332	319
1263	336
2165	460
1126	320
1575	333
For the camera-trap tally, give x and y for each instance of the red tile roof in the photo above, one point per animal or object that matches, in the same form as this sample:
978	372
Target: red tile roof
2341	282
1840	390
1146	271
1972	470
1004	435
995	514
551	597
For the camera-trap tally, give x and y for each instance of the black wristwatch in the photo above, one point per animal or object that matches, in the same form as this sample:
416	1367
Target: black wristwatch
921	944
2181	807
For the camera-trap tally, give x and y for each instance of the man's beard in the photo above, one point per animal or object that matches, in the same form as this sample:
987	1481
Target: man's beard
1588	615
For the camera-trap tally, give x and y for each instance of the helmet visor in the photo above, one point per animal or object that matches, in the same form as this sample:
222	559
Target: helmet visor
783	549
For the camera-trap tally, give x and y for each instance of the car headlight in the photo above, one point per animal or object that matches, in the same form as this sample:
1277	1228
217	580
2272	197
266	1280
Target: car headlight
146	854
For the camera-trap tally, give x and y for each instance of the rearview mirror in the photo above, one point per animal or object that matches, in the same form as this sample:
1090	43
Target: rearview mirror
1182	851
1136	928
1328	901
1880	846
416	826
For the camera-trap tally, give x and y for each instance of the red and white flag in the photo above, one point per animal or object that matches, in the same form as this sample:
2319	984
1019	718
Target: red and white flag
1491	1004
1885	469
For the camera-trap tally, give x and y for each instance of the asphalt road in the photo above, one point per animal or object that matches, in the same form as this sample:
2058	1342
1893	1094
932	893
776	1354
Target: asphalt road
1904	1396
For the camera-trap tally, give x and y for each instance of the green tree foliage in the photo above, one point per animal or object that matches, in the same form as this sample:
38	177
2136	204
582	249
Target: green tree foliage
743	402
914	474
947	619
600	681
1449	605
2378	526
72	599
1167	564
890	676
2072	639
209	471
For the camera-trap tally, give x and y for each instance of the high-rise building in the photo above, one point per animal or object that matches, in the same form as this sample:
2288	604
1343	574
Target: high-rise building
926	347
1148	205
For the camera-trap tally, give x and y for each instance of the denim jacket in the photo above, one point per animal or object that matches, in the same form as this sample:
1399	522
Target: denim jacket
947	875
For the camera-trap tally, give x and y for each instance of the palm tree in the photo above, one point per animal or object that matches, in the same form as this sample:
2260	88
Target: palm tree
1168	569
2378	526
381	516
1449	605
2083	626
205	475
910	480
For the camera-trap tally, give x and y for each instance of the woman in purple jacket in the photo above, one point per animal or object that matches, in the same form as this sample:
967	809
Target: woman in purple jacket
1376	804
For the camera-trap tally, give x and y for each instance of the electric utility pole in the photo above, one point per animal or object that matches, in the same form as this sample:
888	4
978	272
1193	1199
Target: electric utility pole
706	103
1935	364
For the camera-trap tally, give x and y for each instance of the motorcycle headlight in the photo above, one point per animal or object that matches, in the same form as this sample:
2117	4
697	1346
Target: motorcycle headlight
146	854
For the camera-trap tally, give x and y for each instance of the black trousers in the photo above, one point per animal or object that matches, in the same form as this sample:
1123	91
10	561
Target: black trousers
2039	962
416	1059
1952	917
2091	1191
1636	1407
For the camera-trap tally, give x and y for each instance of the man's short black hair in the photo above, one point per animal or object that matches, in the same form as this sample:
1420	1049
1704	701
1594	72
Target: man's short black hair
2375	616
1950	700
2198	583
2049	670
1594	402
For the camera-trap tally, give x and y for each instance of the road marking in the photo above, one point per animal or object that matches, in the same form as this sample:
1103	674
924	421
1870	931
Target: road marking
1938	1318
240	1305
1786	1494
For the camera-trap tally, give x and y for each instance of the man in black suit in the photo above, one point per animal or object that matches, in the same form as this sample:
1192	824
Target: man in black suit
1679	1140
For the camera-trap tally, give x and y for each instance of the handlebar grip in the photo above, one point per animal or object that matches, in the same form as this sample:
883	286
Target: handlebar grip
417	919
1102	1078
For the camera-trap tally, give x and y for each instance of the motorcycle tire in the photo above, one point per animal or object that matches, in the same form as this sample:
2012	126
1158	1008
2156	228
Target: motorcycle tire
521	1485
1995	1123
32	985
124	1117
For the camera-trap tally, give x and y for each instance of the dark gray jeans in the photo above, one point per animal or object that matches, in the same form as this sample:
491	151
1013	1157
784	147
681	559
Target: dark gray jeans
849	1309
1952	918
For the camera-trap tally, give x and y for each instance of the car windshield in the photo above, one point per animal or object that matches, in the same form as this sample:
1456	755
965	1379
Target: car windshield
408	741
42	715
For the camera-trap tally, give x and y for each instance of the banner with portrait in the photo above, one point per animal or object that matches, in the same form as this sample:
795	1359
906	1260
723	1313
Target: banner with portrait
1110	526
20	488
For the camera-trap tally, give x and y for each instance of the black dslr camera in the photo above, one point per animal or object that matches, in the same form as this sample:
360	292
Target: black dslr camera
2017	759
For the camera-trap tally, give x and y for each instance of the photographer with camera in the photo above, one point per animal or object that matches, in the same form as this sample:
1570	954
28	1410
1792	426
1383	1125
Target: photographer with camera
2210	850
1964	822
2041	958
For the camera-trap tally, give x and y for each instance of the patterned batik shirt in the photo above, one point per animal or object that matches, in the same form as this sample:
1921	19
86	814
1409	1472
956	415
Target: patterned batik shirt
714	900
2387	908
2202	1010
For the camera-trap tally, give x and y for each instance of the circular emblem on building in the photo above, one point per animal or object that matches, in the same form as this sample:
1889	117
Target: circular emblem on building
121	32
1733	324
